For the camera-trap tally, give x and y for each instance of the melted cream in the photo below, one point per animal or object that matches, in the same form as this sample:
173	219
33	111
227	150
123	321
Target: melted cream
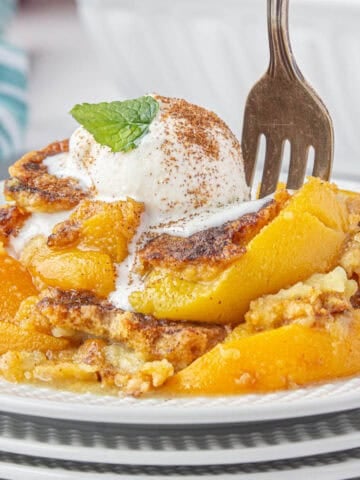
128	281
62	165
212	218
37	224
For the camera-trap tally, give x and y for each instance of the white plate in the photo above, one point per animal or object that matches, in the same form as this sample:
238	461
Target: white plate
45	402
329	472
204	446
326	467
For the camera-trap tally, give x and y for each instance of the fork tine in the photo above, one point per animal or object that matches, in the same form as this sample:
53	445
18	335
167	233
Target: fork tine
323	160
271	172
250	144
298	161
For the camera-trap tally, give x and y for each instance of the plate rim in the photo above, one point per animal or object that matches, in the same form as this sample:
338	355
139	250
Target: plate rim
323	472
186	411
174	457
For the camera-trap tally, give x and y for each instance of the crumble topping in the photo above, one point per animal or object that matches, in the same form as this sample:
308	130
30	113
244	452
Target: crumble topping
35	190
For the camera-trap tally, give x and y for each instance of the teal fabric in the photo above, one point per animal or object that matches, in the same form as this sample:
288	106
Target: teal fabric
13	89
7	9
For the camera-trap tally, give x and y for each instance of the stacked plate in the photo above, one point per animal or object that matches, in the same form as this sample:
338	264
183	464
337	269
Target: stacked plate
51	434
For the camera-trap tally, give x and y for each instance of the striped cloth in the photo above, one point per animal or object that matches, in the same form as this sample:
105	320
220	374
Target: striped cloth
13	88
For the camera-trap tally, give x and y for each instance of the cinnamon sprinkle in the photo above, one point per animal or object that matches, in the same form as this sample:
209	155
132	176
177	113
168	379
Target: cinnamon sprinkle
194	125
197	131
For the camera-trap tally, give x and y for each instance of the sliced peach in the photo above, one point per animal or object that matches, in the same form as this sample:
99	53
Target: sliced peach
323	200
69	269
289	356
15	338
15	286
305	238
104	226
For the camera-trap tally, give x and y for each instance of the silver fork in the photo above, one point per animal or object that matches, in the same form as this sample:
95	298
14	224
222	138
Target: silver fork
282	106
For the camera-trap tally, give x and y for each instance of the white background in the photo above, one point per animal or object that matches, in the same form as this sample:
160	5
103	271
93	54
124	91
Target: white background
208	51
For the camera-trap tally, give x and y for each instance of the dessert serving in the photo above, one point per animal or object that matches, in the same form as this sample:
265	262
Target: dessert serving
133	261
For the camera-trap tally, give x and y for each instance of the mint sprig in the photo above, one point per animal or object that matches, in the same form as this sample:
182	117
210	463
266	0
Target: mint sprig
119	125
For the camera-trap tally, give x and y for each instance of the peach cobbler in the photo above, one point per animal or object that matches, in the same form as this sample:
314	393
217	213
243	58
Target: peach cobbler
132	259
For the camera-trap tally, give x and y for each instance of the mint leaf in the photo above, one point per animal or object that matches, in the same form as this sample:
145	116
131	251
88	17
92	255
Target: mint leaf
119	125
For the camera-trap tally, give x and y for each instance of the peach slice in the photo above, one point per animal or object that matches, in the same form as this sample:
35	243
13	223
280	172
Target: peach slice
69	269
15	286
306	237
15	338
286	357
107	227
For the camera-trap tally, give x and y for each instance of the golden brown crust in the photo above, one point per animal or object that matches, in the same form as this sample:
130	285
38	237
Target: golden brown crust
65	234
353	206
317	301
95	366
218	246
34	189
11	220
178	342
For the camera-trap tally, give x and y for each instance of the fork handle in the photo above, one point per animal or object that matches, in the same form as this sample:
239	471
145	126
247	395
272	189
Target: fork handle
282	61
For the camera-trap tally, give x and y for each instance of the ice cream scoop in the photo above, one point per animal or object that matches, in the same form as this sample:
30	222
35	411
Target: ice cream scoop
188	162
